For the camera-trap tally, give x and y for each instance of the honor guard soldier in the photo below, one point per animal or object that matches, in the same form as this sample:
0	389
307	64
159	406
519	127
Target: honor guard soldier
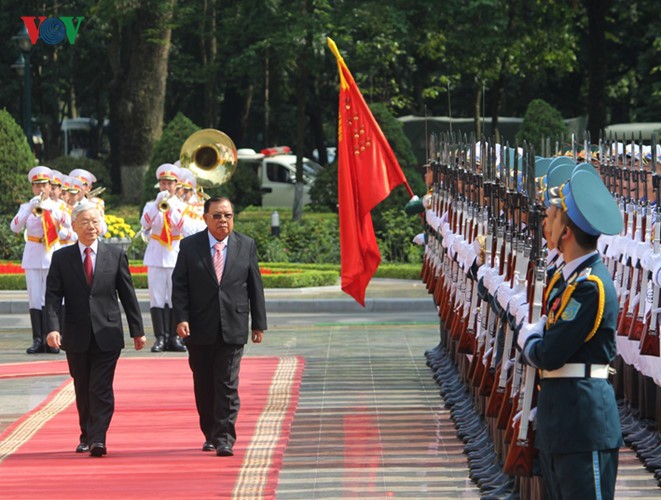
88	179
42	221
578	425
193	221
559	172
162	219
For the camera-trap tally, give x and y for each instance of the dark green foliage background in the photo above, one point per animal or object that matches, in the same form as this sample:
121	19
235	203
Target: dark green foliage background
16	160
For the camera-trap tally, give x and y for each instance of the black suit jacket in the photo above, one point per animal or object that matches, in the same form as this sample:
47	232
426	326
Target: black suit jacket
92	310
210	308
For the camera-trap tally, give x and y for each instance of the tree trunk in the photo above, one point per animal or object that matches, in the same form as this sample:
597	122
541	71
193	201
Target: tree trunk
478	112
209	49
596	13
139	60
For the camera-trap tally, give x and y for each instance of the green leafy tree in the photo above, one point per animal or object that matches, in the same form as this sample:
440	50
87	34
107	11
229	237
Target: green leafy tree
541	121
16	160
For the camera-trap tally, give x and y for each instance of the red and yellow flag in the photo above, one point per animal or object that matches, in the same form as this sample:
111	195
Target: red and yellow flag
367	172
50	229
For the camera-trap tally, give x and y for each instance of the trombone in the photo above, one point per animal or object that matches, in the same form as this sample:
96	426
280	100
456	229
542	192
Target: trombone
95	192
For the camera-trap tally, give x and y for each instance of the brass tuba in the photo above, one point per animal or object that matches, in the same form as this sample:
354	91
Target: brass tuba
211	155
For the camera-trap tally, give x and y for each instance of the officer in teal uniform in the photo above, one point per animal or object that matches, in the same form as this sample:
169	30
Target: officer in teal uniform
578	430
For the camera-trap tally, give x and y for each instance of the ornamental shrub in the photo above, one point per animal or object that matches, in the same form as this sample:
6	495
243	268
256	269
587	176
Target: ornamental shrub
541	121
16	160
11	244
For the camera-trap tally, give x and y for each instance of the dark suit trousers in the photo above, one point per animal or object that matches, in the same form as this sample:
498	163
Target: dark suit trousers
93	373
216	382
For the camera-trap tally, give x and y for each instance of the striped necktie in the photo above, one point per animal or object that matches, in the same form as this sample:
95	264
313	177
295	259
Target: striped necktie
218	260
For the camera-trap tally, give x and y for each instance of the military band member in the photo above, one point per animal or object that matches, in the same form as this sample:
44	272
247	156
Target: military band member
578	426
76	192
41	220
162	219
194	208
57	194
88	179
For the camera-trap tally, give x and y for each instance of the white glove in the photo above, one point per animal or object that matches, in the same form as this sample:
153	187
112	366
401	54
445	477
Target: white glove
530	329
655	266
522	313
161	195
419	239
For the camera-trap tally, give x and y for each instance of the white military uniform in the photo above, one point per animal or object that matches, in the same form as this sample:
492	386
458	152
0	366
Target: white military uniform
42	239
87	179
66	232
194	208
165	229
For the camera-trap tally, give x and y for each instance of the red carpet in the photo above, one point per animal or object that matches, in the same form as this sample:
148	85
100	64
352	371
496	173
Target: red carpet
154	442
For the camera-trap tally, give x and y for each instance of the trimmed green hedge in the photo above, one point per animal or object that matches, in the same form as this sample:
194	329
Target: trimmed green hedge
310	275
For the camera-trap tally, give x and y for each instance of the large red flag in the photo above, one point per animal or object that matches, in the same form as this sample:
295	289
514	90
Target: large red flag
367	172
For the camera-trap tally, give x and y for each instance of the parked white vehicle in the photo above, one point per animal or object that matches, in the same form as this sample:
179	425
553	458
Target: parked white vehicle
276	170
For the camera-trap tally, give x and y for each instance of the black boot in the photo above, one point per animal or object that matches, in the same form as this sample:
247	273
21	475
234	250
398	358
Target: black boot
37	333
49	349
174	342
159	329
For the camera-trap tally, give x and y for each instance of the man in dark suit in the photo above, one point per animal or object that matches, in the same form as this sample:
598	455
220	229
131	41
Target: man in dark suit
216	285
89	276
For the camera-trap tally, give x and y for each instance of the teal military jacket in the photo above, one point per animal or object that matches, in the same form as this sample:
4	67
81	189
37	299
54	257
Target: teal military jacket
577	414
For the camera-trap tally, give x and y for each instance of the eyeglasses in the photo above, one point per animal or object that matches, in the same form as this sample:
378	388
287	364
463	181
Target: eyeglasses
222	216
89	223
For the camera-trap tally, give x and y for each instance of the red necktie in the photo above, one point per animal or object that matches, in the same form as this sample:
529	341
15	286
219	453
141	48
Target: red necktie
87	265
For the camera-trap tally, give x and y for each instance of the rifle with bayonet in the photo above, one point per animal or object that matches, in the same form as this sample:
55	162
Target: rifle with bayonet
629	273
642	242
649	339
521	451
491	193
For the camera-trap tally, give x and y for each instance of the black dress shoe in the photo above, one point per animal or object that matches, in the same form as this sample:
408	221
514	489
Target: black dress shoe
224	451
52	350
82	448
176	345
159	345
98	449
208	446
37	346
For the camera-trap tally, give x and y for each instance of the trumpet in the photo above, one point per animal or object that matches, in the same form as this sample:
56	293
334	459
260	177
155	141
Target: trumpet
38	210
163	205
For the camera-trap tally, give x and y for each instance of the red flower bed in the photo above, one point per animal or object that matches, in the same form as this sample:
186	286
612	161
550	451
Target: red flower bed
11	268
